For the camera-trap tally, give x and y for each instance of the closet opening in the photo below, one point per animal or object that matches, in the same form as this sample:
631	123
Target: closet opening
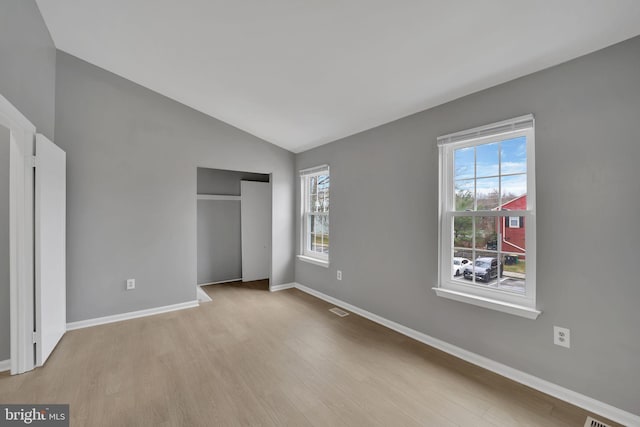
233	230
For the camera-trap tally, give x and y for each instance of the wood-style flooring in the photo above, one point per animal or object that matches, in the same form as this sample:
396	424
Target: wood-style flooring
254	358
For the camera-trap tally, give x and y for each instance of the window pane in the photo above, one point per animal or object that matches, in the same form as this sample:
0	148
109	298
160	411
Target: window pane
463	253
312	233
464	194
487	232
318	229
323	182
514	275
326	235
463	232
485	269
514	155
319	193
515	263
323	200
317	202
313	200
460	261
513	187
487	160
464	163
514	252
487	194
313	185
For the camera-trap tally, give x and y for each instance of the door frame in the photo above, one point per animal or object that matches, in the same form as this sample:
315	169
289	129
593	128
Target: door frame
21	141
271	195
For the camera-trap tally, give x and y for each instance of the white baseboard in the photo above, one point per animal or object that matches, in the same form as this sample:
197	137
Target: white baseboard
202	295
131	315
5	365
282	287
221	281
580	400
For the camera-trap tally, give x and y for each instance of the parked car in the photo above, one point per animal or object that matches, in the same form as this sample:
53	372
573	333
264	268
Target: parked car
485	269
458	265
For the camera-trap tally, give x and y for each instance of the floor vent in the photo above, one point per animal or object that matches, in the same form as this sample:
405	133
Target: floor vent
342	313
594	423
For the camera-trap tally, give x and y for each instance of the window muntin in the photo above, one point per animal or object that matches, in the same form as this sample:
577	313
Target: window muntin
315	185
487	175
487	197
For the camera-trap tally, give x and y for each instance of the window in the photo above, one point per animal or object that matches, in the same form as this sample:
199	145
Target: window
315	184
487	196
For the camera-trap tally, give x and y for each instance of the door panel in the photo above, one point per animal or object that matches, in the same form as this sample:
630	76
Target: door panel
255	212
50	222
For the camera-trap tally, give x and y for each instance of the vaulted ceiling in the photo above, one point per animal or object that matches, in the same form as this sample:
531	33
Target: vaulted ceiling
303	73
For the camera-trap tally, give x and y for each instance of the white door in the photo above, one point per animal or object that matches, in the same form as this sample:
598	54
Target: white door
50	233
255	228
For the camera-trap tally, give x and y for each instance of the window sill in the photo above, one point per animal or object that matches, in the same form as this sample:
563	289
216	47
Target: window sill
314	261
505	307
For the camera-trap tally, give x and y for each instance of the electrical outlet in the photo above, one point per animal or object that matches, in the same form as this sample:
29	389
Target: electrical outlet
339	275
131	284
562	336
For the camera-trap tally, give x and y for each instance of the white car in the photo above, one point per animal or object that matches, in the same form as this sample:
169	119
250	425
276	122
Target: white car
458	266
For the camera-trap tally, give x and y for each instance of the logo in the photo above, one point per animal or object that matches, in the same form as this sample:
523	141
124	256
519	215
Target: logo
36	415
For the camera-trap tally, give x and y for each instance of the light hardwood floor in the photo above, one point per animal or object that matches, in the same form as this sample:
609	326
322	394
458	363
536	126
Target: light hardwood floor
251	357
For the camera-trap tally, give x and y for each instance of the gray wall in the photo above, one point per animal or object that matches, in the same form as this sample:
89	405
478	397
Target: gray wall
5	335
27	80
219	238
132	156
219	241
28	63
587	176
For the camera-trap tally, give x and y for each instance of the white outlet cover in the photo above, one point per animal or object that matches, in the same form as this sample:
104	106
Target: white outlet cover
131	284
339	274
562	336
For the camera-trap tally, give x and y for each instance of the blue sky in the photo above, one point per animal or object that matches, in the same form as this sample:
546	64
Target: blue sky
514	161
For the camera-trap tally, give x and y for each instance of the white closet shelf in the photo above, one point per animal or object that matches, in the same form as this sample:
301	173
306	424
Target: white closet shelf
217	197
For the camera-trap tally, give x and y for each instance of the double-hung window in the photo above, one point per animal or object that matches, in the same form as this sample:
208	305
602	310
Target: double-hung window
315	183
487	216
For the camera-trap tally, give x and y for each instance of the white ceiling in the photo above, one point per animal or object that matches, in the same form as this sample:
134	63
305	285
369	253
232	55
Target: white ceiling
303	73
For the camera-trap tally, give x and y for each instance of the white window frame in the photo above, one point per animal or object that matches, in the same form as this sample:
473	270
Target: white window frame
514	222
508	302
306	254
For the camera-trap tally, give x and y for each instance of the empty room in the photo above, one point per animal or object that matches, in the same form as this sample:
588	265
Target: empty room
410	213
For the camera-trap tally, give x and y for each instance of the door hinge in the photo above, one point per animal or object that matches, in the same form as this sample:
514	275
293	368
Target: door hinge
34	337
34	161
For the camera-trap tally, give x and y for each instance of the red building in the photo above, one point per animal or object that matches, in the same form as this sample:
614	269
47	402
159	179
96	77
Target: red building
512	227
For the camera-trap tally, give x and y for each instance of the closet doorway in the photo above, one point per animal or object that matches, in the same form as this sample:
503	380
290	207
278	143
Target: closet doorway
233	226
